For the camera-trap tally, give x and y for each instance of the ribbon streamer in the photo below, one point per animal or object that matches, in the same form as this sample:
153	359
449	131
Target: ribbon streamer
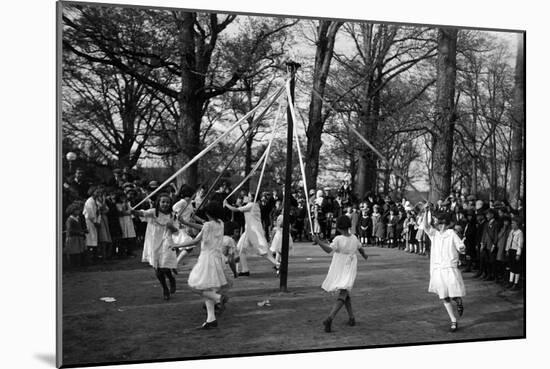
257	165
271	100
265	161
302	168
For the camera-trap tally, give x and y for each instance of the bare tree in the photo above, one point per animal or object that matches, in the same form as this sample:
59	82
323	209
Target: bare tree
179	48
326	35
442	147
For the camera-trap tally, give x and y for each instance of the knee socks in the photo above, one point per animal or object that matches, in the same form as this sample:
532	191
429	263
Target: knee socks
449	308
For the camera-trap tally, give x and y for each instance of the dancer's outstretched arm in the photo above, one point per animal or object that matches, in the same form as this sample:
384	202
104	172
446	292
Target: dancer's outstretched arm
323	244
189	243
191	224
363	253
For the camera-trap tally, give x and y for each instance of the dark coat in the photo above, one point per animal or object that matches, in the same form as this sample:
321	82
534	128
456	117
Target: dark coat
490	234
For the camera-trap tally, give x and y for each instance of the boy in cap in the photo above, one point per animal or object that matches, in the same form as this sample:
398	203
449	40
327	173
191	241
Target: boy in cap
488	247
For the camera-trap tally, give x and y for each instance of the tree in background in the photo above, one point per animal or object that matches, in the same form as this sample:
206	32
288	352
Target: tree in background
177	48
326	36
518	123
442	141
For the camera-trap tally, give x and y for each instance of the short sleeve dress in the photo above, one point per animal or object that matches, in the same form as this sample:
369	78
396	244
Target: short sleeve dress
125	220
74	241
378	226
92	216
277	241
253	238
343	268
445	278
208	272
157	246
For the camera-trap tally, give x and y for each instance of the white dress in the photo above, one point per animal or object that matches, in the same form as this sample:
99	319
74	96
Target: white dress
228	245
253	238
445	278
343	268
157	246
92	216
208	272
125	221
277	241
183	210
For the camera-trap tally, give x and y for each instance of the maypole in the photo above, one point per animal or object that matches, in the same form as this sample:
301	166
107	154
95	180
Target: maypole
292	67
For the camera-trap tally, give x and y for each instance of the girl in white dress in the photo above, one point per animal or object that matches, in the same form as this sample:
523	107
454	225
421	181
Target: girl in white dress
126	223
277	239
343	269
231	234
207	276
183	209
93	220
445	277
157	247
253	239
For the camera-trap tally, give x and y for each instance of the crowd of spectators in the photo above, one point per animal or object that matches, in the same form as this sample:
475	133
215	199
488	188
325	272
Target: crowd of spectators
99	225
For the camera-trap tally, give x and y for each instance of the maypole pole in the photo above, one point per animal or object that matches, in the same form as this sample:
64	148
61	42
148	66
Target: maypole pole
291	68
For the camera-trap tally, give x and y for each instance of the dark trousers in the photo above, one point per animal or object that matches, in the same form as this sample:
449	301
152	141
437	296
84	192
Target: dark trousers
493	263
484	262
266	224
328	228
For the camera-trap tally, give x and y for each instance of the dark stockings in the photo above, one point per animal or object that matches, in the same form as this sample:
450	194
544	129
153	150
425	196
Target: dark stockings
163	274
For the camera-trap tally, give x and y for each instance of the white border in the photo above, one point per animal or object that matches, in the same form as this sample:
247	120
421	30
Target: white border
28	180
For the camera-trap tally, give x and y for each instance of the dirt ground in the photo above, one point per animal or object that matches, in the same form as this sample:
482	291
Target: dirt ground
390	300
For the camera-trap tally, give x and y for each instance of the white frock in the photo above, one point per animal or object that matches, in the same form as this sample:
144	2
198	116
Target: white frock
445	278
157	246
92	216
183	211
208	272
253	238
125	221
277	241
343	268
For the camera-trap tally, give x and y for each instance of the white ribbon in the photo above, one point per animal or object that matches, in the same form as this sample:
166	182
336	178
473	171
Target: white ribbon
302	168
271	100
263	158
265	161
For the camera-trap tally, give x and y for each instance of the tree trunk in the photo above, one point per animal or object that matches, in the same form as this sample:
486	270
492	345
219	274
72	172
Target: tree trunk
387	178
518	123
323	56
445	114
494	164
369	119
473	188
352	170
190	106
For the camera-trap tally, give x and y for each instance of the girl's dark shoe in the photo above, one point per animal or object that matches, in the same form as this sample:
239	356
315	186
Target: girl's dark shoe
244	274
351	322
223	300
208	325
459	307
328	325
454	326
